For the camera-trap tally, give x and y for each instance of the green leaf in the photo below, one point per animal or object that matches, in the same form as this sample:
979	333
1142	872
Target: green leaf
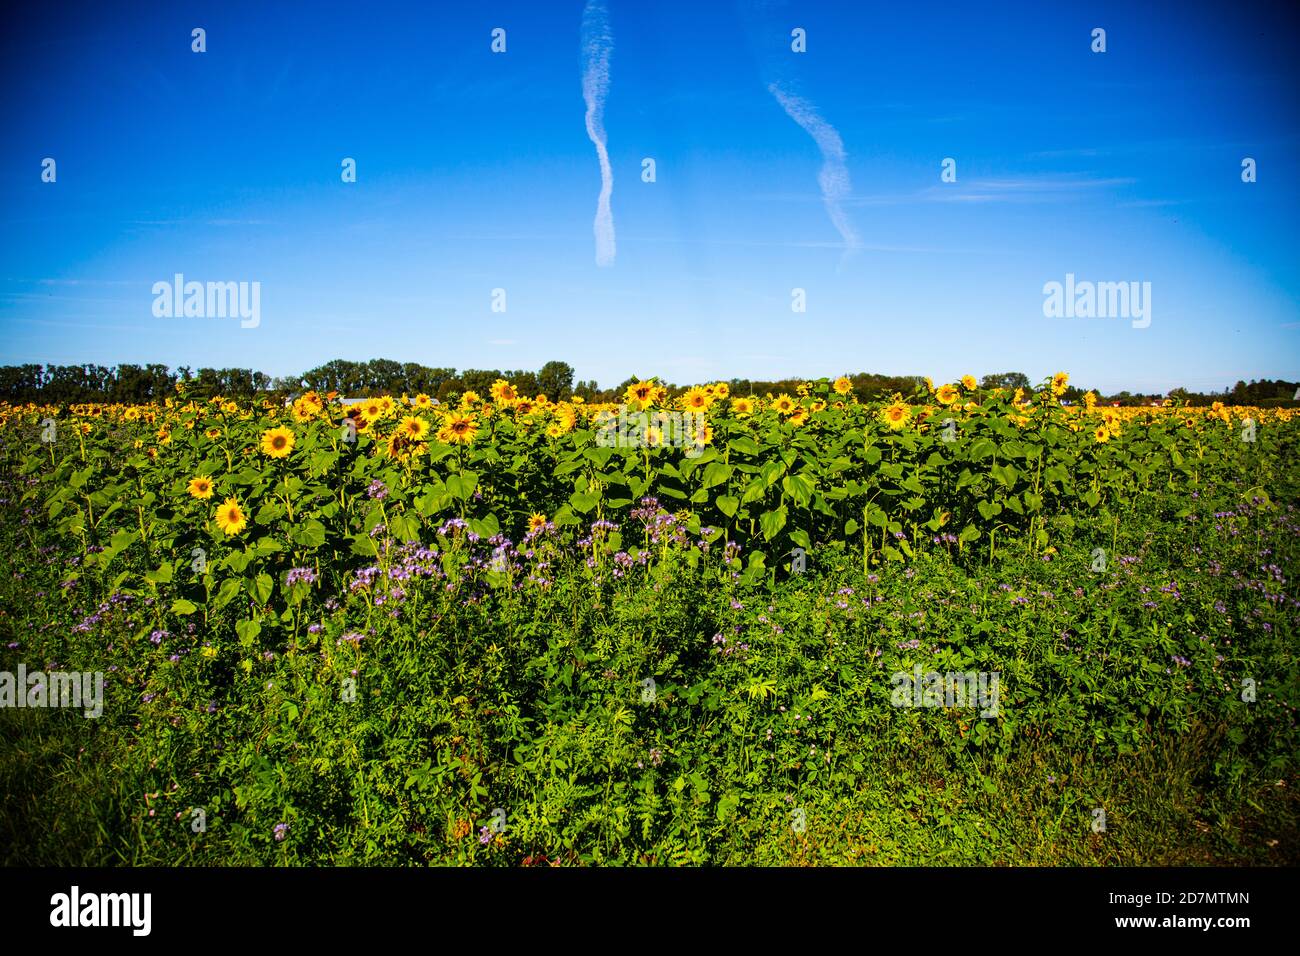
182	606
772	522
248	631
261	588
727	504
309	534
716	473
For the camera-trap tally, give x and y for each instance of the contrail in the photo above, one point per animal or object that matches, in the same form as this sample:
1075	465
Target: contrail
597	44
834	175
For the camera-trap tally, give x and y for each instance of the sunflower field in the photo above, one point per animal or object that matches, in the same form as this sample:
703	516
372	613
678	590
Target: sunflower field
511	630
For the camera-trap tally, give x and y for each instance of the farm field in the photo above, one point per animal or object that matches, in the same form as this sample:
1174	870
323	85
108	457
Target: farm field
513	631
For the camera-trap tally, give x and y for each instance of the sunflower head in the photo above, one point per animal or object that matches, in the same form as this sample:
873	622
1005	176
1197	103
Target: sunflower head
1059	381
536	522
413	428
968	382
743	407
503	393
696	399
231	518
783	403
200	487
459	429
643	392
947	394
277	442
895	415
1102	434
842	386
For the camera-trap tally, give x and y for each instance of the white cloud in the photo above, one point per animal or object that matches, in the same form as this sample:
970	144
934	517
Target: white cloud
597	44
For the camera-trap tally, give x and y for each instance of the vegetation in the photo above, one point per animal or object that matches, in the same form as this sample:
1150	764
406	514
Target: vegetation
501	631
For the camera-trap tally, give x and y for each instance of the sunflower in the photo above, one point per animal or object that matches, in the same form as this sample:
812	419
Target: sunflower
947	394
895	415
422	402
503	393
231	518
371	410
842	386
654	437
200	487
968	382
386	405
164	435
555	430
721	390
696	399
524	407
565	418
783	403
743	407
643	392
818	406
700	435
1059	381
414	428
459	429
1019	396
1102	434
798	416
398	446
536	522
277	442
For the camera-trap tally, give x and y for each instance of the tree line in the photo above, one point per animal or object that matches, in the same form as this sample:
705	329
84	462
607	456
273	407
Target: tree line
143	384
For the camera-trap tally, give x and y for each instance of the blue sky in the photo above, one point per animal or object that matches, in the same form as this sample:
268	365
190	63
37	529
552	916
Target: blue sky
475	172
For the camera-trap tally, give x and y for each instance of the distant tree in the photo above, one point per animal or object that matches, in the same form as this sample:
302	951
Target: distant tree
1009	380
555	380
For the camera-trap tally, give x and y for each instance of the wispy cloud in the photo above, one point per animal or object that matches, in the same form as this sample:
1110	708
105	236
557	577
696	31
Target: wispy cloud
834	175
597	44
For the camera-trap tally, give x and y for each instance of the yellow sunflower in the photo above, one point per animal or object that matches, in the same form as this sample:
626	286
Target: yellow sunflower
1102	434
277	442
459	430
200	487
743	407
947	394
231	518
536	522
721	390
896	415
968	382
1059	381
422	402
503	393
842	386
414	428
783	403
696	399
643	392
